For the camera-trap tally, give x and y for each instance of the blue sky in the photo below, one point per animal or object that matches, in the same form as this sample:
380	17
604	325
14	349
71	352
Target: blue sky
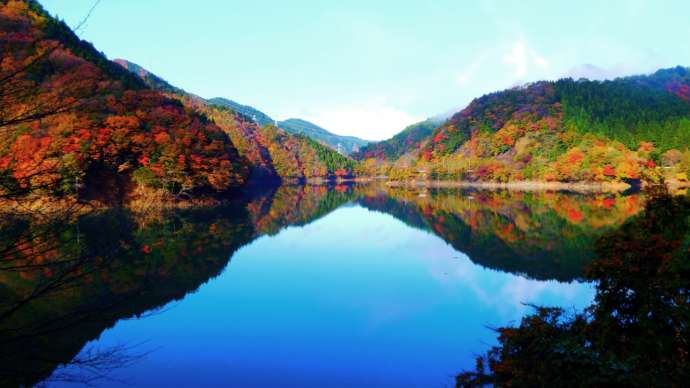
369	68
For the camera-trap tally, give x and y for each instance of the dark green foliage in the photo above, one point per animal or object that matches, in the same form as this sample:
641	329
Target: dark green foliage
632	109
653	108
408	140
334	161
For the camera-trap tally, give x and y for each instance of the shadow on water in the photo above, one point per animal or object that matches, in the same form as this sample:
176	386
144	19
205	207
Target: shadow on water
64	280
636	333
62	285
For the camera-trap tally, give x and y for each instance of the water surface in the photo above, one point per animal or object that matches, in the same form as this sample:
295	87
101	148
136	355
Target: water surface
315	286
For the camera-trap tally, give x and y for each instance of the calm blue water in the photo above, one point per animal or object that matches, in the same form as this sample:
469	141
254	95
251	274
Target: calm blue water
355	298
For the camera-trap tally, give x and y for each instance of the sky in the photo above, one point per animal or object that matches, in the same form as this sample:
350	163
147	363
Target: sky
369	68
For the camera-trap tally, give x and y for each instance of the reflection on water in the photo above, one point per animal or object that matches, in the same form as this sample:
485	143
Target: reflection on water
336	286
540	235
634	334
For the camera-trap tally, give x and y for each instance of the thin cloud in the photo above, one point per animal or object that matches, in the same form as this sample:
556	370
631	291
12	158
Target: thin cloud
523	58
374	121
468	74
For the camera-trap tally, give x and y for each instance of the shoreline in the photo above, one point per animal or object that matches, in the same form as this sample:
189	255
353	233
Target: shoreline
145	203
581	187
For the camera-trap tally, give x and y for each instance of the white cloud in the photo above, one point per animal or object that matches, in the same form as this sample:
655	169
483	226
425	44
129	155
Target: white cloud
517	57
541	62
522	58
373	121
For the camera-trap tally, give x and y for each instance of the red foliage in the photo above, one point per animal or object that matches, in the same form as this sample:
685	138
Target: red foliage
609	203
680	90
575	215
119	128
576	157
440	137
609	171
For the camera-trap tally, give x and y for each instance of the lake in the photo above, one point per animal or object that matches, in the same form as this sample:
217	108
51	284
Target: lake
297	286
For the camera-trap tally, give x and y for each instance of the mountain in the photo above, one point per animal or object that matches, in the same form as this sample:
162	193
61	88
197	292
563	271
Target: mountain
343	144
150	79
624	129
273	153
71	121
256	115
410	139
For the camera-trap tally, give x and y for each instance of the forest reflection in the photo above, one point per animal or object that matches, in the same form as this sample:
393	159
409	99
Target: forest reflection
635	333
66	278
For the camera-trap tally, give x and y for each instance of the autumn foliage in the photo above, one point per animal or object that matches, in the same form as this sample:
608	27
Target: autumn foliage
86	121
566	131
272	153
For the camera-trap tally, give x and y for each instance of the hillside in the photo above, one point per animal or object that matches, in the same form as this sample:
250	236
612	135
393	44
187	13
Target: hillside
273	153
343	144
410	139
73	122
150	79
256	115
626	129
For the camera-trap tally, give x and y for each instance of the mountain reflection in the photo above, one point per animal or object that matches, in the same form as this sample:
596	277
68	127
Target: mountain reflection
539	235
65	282
65	279
636	331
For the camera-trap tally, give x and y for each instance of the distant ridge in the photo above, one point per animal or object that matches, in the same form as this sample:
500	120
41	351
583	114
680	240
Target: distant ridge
274	154
343	144
258	116
410	139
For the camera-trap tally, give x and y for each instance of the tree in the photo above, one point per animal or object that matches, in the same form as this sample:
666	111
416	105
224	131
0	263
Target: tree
635	334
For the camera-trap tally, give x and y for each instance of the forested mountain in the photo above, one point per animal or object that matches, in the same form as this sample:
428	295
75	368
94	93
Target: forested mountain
150	79
72	121
628	128
256	115
410	139
343	144
273	153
